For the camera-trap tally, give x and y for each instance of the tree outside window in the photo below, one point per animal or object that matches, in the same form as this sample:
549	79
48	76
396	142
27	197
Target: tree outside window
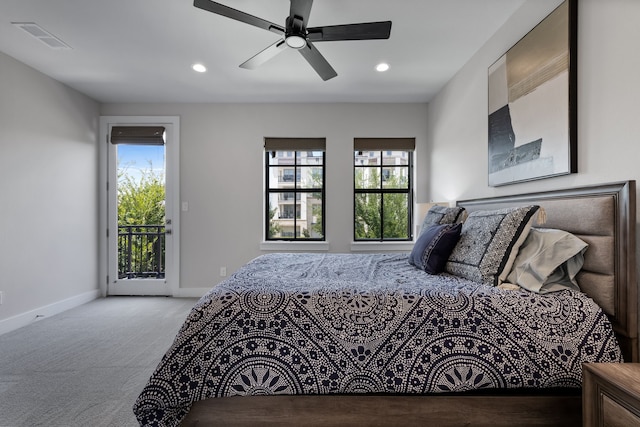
382	191
295	189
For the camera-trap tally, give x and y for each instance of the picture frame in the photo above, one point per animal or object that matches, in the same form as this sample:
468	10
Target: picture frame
532	103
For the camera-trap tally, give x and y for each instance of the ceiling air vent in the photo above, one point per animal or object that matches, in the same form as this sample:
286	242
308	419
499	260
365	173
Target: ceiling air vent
41	34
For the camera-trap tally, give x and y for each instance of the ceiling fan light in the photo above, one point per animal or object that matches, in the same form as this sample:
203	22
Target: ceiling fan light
199	68
382	67
296	42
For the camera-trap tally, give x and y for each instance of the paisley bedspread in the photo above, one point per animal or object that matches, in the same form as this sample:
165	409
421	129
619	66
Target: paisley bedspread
369	323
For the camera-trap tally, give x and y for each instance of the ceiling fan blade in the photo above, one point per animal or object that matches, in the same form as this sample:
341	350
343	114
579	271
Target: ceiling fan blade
364	31
300	9
264	55
317	61
220	9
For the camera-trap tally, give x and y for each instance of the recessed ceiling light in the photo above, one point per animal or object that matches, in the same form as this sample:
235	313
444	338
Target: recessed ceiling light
199	68
383	66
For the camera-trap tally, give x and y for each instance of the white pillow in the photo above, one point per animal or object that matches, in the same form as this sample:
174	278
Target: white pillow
548	261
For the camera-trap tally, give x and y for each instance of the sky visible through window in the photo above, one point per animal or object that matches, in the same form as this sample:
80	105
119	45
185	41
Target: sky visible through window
134	159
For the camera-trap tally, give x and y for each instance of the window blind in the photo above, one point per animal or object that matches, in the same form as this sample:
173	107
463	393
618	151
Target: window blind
294	144
145	135
375	144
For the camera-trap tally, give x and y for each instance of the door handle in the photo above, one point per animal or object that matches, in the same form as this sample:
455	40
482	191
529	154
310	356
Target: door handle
168	231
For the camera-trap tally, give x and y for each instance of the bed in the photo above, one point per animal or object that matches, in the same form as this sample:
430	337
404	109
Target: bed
368	339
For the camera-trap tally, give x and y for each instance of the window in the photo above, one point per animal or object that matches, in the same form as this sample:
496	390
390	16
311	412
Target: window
294	181
383	188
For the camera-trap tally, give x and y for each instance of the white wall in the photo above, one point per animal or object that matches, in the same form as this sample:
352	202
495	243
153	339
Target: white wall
222	170
608	106
48	190
49	160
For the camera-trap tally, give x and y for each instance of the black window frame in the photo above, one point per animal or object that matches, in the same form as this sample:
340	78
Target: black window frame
297	191
382	191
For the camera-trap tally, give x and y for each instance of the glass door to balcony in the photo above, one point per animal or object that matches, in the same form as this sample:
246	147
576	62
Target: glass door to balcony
140	211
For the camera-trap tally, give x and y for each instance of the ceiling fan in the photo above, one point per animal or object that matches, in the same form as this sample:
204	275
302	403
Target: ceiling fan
296	35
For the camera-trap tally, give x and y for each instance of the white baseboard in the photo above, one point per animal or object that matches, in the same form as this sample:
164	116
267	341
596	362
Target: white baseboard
190	292
24	319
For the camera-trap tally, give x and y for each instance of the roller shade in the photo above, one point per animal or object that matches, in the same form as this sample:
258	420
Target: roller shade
392	144
147	135
294	144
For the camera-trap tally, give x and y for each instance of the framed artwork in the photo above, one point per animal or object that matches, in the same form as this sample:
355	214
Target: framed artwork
533	103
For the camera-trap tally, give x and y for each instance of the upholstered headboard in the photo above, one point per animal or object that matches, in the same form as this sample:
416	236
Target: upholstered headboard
604	216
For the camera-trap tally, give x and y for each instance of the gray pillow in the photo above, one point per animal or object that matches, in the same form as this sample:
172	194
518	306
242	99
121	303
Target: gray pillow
438	215
548	261
489	243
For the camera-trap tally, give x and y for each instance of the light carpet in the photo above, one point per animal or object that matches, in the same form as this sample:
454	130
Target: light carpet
86	366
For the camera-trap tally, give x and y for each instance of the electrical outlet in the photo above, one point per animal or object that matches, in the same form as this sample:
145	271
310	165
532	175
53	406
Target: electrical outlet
223	271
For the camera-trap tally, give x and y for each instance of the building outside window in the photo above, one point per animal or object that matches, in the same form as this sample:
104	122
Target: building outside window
294	182
383	189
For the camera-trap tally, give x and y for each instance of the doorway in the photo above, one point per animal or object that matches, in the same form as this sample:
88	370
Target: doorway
141	205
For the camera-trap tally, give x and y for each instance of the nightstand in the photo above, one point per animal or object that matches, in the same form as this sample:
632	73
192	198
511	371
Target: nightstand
611	394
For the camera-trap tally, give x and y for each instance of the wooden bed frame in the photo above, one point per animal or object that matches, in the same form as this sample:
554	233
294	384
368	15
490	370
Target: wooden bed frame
602	215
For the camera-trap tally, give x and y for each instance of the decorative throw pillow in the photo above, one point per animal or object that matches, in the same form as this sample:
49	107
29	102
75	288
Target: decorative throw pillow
432	249
548	261
442	215
489	243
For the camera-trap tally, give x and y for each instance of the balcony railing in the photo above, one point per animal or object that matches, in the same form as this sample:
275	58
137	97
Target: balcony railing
141	250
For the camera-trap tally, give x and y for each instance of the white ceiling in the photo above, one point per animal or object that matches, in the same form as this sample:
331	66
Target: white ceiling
142	50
